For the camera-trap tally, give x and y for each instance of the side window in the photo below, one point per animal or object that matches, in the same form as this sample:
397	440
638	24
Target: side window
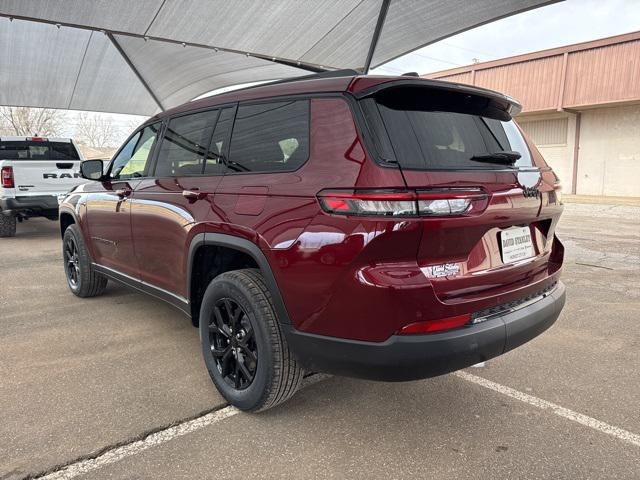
217	148
184	145
270	137
134	157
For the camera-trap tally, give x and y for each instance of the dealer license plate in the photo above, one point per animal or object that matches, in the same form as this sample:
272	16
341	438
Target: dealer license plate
516	244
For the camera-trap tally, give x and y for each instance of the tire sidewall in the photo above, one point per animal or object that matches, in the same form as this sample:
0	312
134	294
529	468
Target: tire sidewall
250	397
7	225
71	233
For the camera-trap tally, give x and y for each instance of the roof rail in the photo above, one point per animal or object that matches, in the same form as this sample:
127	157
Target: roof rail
346	72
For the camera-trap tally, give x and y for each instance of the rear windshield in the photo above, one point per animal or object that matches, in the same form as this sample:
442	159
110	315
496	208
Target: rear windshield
420	131
28	150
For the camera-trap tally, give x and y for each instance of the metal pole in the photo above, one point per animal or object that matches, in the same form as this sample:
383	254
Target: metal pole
384	8
135	70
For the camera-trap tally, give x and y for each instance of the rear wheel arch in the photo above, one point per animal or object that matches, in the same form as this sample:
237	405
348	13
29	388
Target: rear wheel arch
211	254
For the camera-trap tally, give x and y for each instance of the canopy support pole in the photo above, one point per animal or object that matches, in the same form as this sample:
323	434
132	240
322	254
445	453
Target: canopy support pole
384	8
135	70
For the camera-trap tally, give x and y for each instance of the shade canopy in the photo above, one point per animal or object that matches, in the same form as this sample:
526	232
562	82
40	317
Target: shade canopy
144	56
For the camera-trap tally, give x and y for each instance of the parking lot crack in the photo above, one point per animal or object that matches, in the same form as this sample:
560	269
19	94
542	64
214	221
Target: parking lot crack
61	471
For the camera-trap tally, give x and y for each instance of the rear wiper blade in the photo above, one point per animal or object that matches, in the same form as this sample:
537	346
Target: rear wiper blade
505	157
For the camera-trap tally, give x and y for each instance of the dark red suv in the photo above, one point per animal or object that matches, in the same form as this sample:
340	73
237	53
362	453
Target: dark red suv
389	228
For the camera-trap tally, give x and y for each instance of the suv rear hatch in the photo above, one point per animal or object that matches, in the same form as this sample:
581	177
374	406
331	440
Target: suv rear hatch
493	237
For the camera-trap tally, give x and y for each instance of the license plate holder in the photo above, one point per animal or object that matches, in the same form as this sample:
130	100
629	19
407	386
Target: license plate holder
516	244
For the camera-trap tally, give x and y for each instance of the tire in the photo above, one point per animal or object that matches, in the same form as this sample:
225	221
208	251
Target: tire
242	297
82	279
7	225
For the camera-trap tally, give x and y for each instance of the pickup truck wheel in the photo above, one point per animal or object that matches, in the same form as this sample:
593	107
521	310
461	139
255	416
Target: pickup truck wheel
243	347
7	225
82	279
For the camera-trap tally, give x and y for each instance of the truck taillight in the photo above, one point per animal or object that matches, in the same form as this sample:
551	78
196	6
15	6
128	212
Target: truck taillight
404	203
7	177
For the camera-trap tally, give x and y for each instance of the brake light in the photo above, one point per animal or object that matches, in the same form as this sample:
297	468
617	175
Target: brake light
432	326
403	203
6	177
38	139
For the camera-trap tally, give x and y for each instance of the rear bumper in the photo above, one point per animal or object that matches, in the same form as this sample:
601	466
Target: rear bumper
412	357
36	203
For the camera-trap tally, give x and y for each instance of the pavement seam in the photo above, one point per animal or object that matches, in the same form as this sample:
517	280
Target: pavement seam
593	423
149	439
50	473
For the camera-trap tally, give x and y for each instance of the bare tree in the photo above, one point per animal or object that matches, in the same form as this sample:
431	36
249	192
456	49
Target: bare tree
132	124
95	131
26	121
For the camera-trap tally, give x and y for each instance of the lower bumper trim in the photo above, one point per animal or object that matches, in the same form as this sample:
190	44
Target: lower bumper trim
412	357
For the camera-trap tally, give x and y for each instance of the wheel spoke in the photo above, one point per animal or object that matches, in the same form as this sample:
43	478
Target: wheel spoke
227	307
219	352
224	361
213	328
248	353
245	372
219	321
236	376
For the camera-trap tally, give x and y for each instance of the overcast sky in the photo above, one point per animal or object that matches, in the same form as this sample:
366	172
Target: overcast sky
563	23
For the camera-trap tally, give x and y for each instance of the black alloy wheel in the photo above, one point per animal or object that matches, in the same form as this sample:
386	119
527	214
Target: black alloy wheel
233	344
71	261
238	324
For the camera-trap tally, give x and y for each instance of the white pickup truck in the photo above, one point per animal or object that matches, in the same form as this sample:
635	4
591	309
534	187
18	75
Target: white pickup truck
35	172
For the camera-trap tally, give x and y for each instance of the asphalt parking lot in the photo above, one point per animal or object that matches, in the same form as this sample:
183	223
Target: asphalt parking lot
93	385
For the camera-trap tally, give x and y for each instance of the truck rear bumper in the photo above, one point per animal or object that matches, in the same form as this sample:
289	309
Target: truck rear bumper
412	357
35	203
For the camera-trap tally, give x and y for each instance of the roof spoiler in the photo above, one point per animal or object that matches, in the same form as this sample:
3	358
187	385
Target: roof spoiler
493	104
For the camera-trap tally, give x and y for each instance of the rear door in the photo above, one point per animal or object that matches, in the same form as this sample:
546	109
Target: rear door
42	166
168	206
443	144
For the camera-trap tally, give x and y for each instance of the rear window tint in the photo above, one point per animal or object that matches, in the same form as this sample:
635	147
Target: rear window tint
270	137
26	150
421	138
184	145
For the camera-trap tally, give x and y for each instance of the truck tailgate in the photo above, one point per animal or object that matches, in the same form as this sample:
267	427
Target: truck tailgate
44	177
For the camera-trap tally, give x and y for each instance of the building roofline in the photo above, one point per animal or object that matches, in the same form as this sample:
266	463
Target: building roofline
551	52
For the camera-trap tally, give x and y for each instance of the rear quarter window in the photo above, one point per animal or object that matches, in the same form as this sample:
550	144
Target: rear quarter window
270	137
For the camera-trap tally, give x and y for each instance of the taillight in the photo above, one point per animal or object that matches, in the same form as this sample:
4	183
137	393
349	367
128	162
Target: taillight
386	203
432	326
404	203
7	177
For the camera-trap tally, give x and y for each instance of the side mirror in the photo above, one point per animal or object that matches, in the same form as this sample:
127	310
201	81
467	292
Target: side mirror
92	169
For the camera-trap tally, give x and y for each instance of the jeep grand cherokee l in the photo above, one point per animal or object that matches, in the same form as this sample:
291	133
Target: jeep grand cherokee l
388	228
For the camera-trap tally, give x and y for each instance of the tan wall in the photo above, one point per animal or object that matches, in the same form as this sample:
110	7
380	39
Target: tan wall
556	149
605	71
609	157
